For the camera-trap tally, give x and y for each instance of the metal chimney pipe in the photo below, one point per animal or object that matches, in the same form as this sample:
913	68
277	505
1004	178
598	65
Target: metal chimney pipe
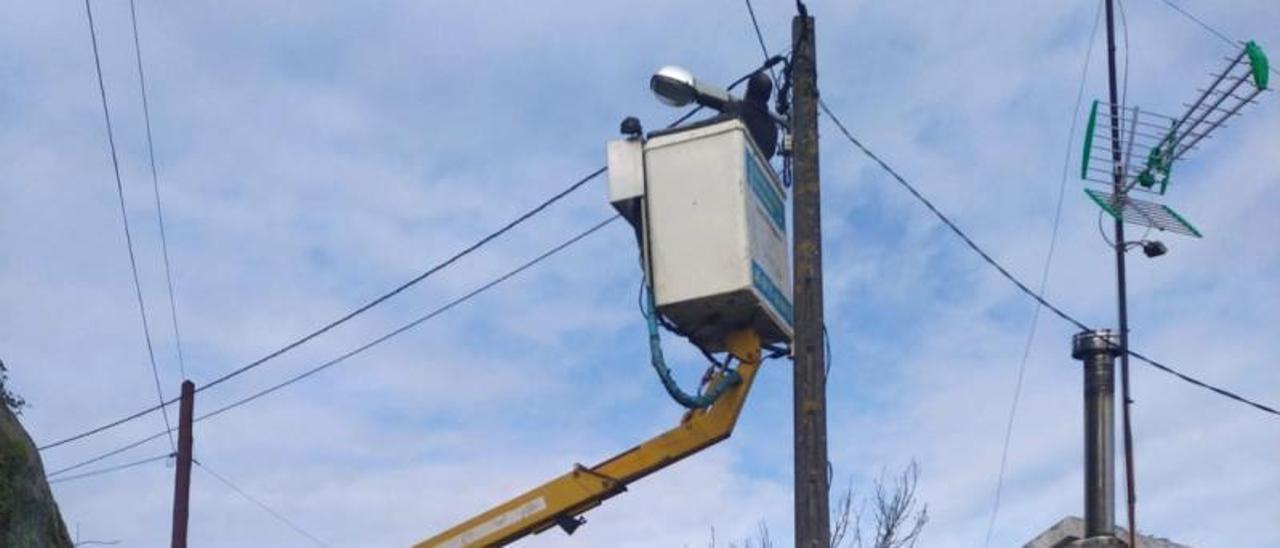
1098	350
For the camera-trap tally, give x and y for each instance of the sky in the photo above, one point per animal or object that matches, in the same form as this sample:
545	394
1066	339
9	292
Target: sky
312	155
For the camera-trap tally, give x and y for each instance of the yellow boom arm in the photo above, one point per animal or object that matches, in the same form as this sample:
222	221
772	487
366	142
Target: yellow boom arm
561	500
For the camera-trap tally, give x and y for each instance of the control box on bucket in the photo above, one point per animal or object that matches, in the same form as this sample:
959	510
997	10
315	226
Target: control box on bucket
717	229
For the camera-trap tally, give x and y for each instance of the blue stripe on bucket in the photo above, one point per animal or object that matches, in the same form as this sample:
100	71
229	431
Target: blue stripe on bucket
761	281
762	187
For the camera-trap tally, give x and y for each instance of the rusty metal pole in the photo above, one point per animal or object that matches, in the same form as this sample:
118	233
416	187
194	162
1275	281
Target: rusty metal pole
812	517
1098	350
182	476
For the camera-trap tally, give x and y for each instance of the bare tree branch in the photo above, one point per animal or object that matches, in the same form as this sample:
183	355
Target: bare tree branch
898	517
898	522
842	516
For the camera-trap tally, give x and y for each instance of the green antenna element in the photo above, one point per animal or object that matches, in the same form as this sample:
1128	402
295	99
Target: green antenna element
1258	62
1139	131
1221	101
1088	140
1159	166
1164	140
1143	213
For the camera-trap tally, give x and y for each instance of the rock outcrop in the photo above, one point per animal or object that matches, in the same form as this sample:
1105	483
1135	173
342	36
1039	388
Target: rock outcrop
29	517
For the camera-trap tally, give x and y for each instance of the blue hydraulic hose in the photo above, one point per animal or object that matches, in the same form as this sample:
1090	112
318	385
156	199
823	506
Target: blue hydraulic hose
700	401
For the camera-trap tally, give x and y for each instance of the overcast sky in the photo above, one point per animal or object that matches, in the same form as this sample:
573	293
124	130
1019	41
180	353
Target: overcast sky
312	155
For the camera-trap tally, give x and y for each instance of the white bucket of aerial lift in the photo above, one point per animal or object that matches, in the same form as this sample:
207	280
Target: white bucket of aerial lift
717	229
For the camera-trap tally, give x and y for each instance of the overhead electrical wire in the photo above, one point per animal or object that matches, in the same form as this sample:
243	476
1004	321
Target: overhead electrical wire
124	218
466	297
1211	30
1200	22
764	50
108	454
406	285
1208	28
348	316
222	479
1124	86
110	469
1044	276
360	349
1014	279
440	266
155	187
436	312
430	315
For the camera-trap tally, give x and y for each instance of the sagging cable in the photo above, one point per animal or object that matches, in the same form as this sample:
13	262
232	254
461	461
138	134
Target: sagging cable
729	379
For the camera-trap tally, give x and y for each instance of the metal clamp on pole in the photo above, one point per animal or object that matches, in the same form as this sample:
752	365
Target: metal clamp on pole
1098	350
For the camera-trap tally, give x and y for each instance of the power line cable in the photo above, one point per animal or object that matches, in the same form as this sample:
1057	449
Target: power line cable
1014	279
1211	30
535	210
430	315
108	454
1124	86
363	308
1201	22
124	217
783	99
429	272
538	209
760	38
155	187
1206	386
260	504
110	469
1044	277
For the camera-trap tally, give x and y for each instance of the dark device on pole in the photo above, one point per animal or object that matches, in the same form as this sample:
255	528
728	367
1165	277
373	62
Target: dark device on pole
812	516
182	475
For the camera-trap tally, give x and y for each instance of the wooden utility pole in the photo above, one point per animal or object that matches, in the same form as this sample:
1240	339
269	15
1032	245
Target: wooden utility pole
812	520
182	477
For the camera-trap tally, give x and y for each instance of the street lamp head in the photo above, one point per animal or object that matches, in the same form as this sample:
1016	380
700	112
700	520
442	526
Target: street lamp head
677	87
673	86
1153	249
